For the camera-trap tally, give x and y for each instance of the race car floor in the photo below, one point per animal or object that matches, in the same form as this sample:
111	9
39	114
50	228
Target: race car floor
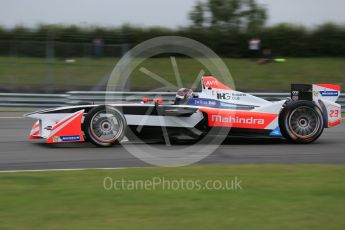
18	153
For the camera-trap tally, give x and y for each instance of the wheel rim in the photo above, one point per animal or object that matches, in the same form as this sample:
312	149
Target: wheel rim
304	122
106	126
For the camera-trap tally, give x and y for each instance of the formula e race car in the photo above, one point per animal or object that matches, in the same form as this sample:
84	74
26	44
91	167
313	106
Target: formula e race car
299	119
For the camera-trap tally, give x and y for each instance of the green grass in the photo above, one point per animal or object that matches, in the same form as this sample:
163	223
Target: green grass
272	197
86	73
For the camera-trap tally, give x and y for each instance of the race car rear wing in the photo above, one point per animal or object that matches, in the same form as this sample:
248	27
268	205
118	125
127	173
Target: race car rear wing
315	92
324	95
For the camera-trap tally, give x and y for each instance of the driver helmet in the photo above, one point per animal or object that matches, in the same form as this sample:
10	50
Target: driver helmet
183	95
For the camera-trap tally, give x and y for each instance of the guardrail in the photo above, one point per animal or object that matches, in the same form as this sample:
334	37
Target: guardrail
99	97
16	100
24	100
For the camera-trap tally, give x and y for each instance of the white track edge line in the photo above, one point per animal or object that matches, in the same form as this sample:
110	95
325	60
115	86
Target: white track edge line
60	170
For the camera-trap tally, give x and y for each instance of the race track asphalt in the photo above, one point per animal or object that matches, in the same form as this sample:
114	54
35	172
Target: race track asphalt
18	153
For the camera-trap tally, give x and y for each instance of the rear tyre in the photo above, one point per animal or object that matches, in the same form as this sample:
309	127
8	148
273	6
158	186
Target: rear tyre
104	126
301	122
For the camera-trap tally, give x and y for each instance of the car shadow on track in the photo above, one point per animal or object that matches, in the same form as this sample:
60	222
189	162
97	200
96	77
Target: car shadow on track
228	141
255	141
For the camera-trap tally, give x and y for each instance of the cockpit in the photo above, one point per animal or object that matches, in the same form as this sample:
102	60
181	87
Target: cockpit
182	96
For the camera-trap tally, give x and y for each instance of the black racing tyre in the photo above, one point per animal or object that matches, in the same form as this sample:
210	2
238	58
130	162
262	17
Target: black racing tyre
301	122
104	126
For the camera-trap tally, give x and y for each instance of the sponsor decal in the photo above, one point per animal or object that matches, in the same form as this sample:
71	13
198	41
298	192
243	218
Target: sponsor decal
70	138
210	103
211	82
230	96
203	102
239	94
238	119
55	139
223	96
329	93
295	93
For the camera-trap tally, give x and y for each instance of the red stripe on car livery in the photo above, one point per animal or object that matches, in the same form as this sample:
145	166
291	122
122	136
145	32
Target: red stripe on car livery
330	86
35	131
335	123
238	119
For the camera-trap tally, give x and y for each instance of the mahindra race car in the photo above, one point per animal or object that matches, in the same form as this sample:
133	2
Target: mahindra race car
299	119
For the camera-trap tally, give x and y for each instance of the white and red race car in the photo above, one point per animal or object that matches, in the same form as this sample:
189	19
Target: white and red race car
299	119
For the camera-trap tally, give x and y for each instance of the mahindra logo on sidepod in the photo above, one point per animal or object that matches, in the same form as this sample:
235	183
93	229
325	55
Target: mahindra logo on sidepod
238	120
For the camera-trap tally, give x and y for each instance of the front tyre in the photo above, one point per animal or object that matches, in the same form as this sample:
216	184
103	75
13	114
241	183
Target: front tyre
301	122
104	126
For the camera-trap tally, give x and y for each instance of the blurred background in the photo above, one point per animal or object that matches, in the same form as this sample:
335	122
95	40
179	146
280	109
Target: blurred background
58	46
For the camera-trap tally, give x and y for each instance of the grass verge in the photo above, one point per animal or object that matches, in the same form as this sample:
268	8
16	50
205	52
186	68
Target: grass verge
37	73
272	197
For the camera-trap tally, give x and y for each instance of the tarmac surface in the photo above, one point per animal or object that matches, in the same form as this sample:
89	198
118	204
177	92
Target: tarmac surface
19	153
